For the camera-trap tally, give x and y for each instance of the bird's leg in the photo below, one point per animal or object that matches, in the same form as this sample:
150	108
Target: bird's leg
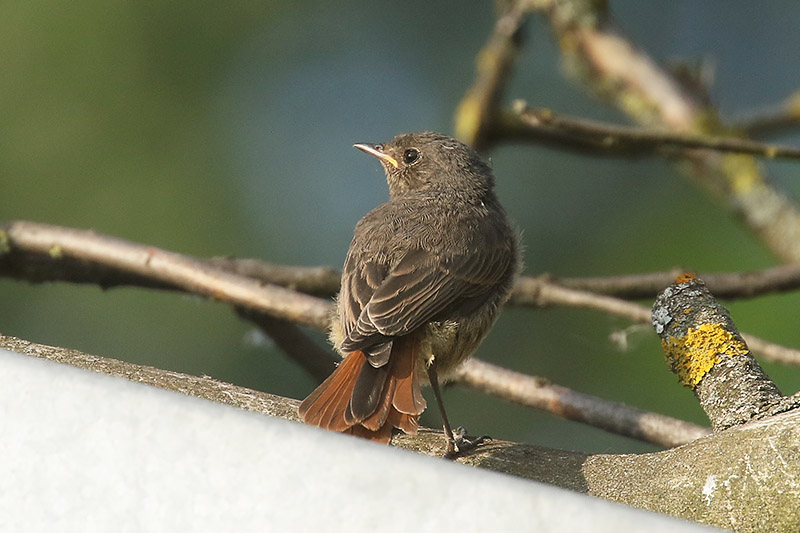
448	431
457	443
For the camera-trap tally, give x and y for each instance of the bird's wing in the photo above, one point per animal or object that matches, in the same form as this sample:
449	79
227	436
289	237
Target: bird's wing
421	288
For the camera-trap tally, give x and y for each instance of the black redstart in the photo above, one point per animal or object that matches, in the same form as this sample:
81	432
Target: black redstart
424	279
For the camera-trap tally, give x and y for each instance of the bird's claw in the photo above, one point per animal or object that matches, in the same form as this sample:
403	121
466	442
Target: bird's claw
461	444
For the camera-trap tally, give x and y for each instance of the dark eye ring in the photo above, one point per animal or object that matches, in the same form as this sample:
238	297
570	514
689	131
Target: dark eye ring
410	156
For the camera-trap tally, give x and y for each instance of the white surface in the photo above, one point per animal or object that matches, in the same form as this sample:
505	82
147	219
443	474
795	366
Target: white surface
85	452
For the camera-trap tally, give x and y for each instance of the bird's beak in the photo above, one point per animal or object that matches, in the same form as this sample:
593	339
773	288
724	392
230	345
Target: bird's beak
377	151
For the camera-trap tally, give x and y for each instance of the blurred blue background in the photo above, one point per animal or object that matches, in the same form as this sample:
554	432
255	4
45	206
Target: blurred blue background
215	128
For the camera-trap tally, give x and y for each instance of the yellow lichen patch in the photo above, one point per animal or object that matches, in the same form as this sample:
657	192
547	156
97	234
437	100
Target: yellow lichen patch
686	277
56	252
693	355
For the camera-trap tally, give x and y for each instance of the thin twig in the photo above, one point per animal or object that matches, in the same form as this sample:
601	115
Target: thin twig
773	120
531	292
542	125
614	417
724	285
478	111
316	281
164	268
535	293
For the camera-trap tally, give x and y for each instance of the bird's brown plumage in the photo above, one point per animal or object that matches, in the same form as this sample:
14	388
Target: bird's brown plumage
423	281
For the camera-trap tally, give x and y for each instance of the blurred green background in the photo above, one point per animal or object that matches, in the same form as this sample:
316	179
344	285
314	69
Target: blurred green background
214	128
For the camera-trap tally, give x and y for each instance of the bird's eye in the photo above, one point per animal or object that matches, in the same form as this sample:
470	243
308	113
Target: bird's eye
410	156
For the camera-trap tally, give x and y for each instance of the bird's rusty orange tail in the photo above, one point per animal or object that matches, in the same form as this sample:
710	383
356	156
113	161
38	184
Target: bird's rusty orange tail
399	405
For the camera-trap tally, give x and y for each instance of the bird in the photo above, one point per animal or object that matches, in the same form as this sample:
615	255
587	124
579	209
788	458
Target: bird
423	282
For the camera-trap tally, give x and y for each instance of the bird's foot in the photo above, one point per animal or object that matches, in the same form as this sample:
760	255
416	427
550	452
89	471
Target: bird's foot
460	444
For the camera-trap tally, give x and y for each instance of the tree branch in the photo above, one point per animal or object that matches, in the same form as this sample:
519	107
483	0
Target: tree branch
708	354
478	112
160	268
39	252
596	52
726	285
540	393
316	281
533	292
542	125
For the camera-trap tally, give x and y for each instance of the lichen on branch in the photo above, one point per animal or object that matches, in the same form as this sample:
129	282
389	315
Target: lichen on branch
708	354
